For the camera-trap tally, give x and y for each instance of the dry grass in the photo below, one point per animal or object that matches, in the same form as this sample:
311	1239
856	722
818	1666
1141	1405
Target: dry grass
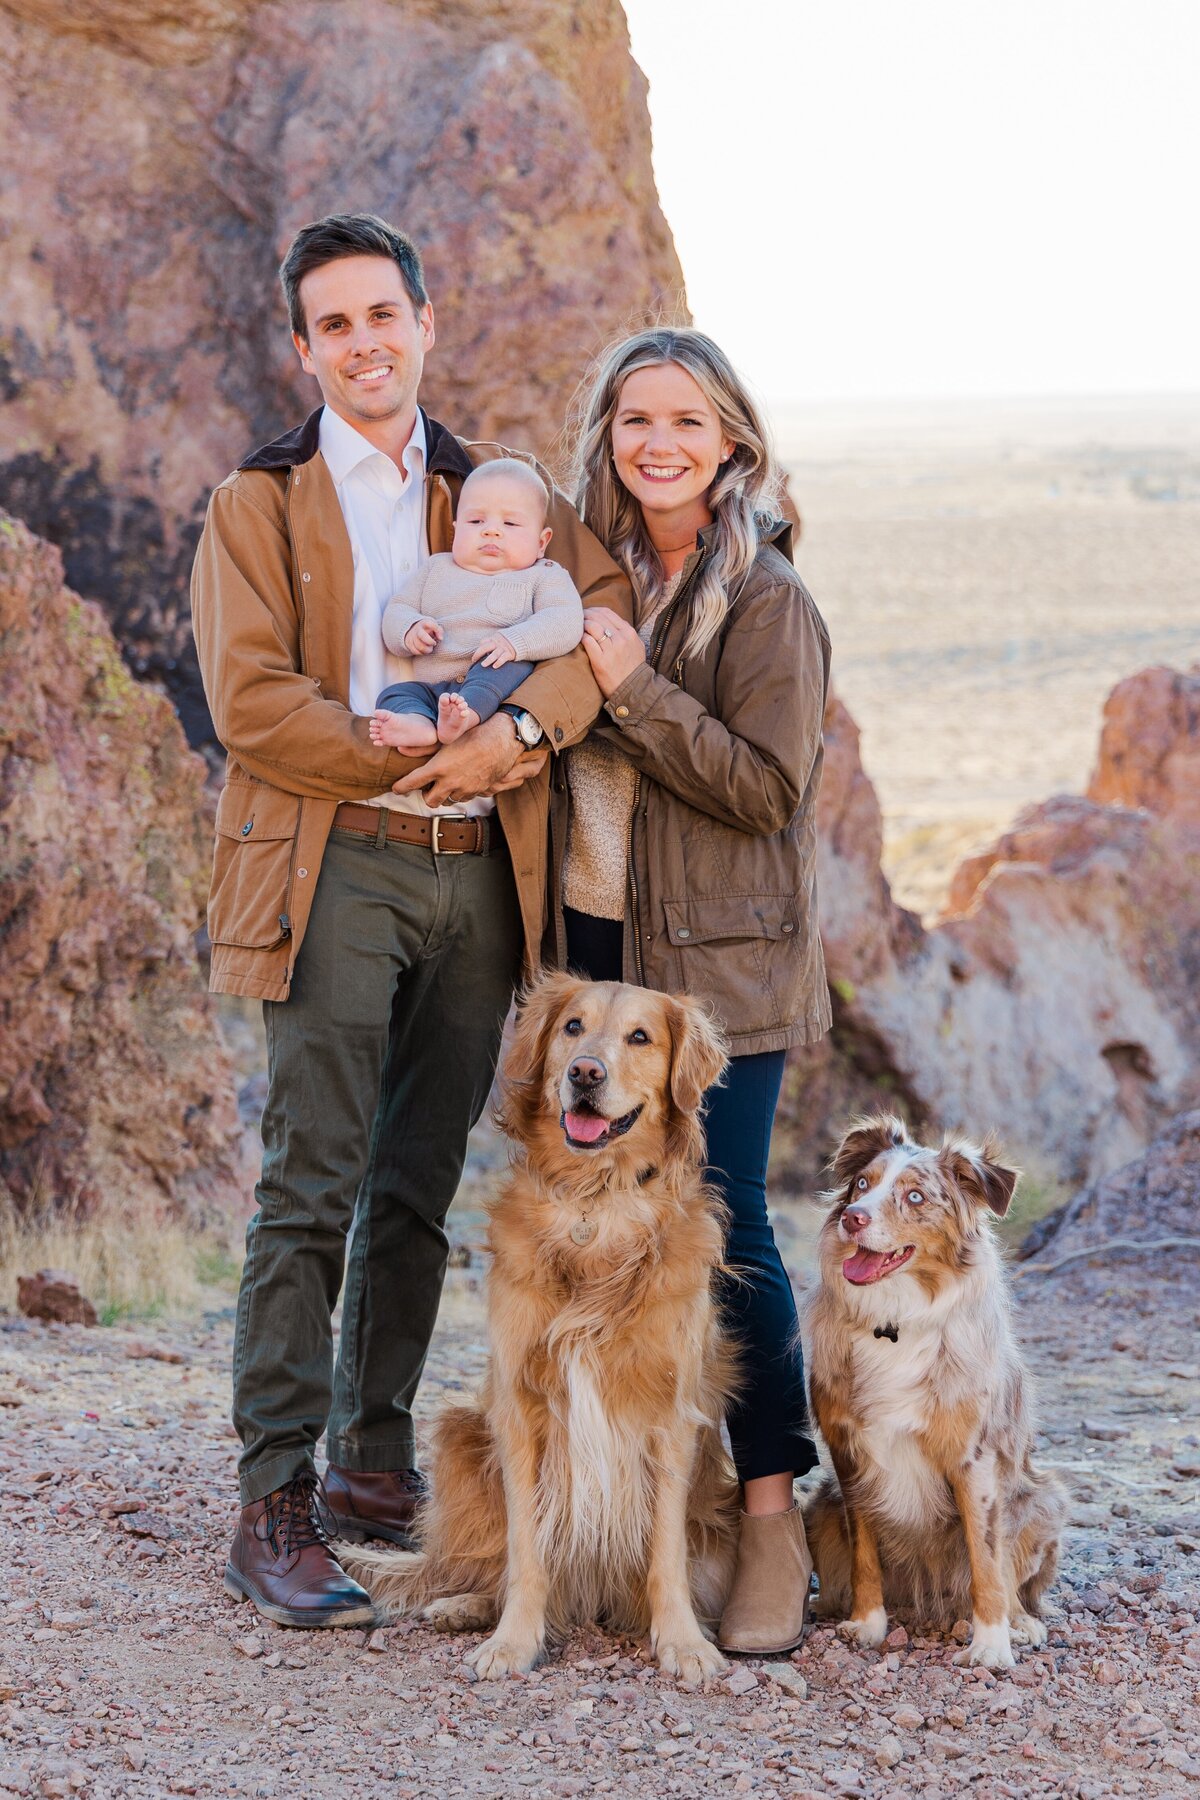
128	1268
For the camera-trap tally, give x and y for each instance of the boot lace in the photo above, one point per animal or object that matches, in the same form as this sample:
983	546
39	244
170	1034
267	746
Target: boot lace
297	1515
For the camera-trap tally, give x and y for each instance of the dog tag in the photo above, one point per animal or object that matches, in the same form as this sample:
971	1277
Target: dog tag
583	1231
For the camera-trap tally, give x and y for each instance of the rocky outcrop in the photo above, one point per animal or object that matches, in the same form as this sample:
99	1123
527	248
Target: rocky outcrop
1150	746
1155	1196
167	155
114	1084
1056	1000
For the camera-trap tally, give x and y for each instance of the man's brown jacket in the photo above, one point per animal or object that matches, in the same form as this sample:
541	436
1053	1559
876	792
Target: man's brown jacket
272	607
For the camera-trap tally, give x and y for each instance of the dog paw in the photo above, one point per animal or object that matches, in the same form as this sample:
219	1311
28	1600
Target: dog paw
690	1660
868	1632
460	1612
989	1648
499	1656
1023	1628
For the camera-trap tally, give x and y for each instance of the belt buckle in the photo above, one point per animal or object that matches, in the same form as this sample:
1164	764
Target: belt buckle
440	819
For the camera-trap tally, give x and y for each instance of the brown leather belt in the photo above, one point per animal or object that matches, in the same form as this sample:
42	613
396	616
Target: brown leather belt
446	834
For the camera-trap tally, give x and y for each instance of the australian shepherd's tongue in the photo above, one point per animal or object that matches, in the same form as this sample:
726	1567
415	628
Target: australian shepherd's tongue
868	1265
585	1128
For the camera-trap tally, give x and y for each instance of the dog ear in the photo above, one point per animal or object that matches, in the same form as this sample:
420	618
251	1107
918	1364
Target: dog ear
698	1053
981	1175
539	1007
865	1140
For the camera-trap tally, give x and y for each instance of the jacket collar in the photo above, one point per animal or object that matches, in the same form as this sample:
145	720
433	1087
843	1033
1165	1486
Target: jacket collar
775	531
444	454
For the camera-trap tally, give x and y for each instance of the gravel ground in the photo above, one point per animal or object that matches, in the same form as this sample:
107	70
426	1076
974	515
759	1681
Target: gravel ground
127	1671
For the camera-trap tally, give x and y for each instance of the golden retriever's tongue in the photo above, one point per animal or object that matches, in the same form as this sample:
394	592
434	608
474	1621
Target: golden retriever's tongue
864	1266
585	1128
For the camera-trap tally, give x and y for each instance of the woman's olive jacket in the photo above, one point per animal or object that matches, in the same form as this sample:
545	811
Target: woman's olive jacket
722	890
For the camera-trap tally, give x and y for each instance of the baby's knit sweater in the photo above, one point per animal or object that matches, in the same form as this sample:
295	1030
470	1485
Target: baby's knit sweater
538	609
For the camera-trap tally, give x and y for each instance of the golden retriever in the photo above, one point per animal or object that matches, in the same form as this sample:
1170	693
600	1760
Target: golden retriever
588	1482
921	1396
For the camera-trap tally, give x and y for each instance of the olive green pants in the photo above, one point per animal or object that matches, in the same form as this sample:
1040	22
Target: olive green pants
379	1064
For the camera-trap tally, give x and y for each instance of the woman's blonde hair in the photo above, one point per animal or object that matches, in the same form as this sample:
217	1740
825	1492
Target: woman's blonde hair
744	497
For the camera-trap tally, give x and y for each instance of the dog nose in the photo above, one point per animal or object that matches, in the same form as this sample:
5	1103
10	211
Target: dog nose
587	1072
855	1221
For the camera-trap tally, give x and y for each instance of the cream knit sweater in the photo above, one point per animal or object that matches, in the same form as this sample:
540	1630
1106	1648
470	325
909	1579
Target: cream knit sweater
603	784
538	610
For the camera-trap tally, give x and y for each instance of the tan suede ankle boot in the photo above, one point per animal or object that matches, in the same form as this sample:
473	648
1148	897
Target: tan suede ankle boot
767	1609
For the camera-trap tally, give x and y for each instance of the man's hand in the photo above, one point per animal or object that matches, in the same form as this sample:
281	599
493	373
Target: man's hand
475	764
527	765
494	651
423	637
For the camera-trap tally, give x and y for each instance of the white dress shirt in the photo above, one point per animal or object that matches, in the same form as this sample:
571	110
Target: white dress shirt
384	510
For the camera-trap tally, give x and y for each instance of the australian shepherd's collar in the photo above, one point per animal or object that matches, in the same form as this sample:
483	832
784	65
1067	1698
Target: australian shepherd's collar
921	1397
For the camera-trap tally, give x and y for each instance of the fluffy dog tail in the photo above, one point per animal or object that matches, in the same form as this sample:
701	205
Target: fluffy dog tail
460	1533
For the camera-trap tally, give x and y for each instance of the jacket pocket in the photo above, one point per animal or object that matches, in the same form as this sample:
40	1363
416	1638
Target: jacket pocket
252	866
509	601
731	917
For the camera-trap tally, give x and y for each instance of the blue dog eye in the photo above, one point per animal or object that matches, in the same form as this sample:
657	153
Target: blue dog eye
916	1197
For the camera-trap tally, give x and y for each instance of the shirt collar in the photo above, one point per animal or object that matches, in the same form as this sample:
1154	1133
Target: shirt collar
344	448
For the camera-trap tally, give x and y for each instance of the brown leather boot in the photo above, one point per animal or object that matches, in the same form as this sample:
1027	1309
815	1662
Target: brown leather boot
375	1504
766	1613
281	1561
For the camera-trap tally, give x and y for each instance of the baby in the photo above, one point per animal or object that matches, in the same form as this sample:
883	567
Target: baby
482	615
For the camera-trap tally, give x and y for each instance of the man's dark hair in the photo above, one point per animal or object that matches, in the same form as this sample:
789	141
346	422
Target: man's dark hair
342	235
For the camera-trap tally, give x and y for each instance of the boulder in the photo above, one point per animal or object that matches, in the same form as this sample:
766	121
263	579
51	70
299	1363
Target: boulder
1150	745
1055	1000
114	1082
54	1295
169	152
1155	1196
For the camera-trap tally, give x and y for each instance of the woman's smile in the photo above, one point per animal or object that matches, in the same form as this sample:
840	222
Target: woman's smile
667	447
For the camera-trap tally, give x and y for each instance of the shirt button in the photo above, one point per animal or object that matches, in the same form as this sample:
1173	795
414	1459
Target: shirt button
683	932
247	828
622	712
306	576
558	734
301	873
789	928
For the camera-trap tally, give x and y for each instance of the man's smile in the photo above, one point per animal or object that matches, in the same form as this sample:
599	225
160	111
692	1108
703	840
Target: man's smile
376	372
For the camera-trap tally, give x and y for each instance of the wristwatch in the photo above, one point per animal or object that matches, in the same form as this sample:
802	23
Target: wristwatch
526	726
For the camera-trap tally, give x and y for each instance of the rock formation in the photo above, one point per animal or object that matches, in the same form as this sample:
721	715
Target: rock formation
1155	1196
114	1084
167	155
1056	1000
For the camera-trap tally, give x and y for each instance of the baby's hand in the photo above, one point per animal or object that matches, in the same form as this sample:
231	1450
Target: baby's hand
494	651
423	637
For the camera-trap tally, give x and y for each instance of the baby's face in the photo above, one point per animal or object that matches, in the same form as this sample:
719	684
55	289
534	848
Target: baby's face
500	525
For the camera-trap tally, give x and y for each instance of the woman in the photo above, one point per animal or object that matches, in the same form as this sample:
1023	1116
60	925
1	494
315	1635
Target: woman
685	842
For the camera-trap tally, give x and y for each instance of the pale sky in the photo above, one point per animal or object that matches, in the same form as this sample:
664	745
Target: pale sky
883	198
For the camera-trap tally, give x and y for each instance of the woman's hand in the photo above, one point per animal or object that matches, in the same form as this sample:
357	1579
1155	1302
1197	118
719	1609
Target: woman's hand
613	648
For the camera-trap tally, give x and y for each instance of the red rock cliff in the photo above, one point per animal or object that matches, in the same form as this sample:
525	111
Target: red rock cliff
167	155
114	1083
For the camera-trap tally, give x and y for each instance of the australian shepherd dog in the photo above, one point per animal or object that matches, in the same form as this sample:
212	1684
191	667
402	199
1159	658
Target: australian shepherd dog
588	1481
922	1399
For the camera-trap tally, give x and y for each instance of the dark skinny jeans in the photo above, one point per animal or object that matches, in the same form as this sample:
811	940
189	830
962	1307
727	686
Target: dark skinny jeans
768	1422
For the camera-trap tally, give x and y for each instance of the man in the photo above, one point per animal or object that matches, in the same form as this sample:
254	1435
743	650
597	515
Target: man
376	906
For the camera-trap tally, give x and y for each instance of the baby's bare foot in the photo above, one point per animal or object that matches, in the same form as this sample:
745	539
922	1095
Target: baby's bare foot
403	731
454	717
